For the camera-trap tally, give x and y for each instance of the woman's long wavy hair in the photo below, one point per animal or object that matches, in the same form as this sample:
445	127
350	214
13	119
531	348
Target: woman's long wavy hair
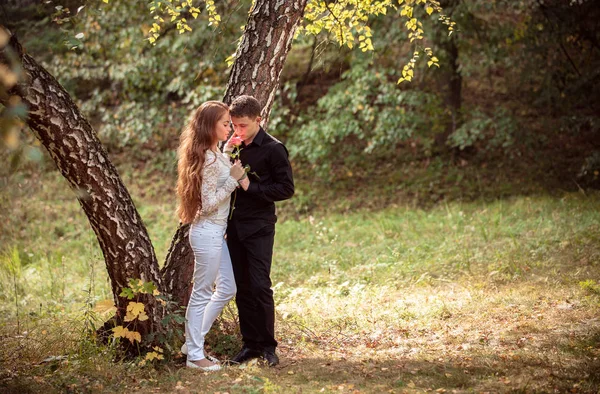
198	136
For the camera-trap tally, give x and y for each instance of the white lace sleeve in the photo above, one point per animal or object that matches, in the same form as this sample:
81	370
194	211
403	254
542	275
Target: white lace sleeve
211	195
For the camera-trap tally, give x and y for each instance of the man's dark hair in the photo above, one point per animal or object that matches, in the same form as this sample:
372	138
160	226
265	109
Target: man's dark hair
245	106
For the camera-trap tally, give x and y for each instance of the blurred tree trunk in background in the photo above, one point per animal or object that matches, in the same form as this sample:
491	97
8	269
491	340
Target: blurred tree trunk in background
450	82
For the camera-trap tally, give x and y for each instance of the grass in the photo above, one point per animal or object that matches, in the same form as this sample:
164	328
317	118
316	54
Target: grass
463	295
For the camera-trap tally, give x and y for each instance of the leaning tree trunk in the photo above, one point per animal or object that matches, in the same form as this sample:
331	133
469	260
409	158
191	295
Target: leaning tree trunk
82	160
259	61
262	53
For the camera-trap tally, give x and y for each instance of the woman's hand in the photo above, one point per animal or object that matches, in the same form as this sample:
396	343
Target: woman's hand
237	171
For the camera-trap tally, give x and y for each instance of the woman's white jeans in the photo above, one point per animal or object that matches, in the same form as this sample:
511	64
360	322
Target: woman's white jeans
212	265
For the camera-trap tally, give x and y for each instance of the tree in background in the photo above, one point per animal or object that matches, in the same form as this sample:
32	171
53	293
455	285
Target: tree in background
513	65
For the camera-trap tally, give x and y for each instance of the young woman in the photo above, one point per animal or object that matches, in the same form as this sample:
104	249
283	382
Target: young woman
205	182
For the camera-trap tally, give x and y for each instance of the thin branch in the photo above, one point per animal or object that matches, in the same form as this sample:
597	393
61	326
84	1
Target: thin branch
337	20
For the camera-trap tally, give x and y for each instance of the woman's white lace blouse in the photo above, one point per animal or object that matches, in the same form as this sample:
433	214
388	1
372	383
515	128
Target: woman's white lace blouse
217	186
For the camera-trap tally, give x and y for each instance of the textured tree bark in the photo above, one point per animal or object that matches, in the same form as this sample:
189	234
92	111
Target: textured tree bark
263	50
179	266
259	61
80	157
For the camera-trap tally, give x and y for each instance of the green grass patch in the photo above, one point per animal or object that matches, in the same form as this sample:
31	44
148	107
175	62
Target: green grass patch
485	295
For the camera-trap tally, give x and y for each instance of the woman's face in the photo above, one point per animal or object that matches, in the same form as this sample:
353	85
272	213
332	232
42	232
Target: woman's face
223	126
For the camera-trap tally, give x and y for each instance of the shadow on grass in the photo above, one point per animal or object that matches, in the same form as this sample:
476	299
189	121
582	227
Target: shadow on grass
485	372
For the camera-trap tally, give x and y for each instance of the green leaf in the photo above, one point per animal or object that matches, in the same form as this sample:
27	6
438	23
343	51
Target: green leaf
127	293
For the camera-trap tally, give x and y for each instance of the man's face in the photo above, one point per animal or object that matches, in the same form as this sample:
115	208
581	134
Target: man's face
246	127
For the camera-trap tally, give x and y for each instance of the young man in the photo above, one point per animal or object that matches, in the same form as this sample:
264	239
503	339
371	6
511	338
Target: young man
251	228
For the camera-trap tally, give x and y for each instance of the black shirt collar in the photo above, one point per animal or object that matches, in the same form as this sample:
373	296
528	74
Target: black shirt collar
258	138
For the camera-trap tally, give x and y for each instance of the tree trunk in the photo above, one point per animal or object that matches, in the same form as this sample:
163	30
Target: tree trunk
450	82
82	160
454	80
259	61
263	50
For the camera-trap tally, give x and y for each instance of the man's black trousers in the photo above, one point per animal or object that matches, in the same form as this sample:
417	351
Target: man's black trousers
251	259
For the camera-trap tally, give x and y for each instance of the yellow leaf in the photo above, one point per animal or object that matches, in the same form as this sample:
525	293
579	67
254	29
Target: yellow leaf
120	332
106	1
135	307
151	356
134	336
434	59
429	10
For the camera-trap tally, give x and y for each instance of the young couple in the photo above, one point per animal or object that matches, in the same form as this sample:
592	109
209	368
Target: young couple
231	251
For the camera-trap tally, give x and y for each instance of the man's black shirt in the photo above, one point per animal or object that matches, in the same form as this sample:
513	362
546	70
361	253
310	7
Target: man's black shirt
270	180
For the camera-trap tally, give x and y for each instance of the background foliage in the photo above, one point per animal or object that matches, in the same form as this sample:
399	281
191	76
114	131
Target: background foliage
528	75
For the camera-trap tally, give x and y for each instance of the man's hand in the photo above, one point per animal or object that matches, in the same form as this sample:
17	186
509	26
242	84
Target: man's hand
244	183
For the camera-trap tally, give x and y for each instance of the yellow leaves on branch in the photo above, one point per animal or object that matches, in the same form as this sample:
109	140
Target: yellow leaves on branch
174	11
135	310
157	354
123	332
347	22
408	70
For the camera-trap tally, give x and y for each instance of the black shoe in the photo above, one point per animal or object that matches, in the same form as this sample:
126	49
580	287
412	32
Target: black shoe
244	355
270	357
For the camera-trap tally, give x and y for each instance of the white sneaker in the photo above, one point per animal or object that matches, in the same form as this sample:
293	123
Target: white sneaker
215	367
211	358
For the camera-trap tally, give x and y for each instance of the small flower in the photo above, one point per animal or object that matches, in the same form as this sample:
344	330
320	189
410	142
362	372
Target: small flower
236	141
